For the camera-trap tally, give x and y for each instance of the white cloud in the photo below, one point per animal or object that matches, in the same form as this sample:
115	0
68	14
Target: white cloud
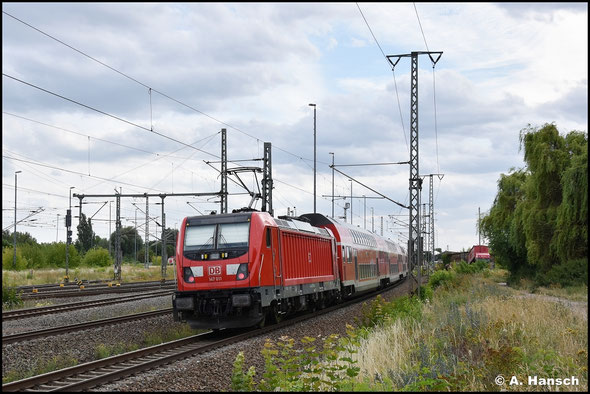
255	67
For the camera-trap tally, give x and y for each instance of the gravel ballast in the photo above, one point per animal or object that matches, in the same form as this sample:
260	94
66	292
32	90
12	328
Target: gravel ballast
212	371
208	372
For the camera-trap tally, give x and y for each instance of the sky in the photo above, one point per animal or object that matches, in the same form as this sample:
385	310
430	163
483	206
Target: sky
131	97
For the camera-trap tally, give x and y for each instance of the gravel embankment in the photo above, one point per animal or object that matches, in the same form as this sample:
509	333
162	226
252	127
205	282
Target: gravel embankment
209	372
81	345
212	371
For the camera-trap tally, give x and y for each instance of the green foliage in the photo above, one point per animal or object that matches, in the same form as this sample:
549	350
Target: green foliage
539	217
34	256
41	366
8	259
97	257
573	272
476	266
129	239
141	255
301	368
56	256
380	311
446	259
441	277
85	235
10	297
571	238
241	381
21	238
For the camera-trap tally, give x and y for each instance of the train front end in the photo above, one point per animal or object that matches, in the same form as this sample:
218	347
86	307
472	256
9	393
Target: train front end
213	271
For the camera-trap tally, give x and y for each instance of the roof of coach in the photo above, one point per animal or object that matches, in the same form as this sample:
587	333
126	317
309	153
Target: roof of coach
299	225
358	235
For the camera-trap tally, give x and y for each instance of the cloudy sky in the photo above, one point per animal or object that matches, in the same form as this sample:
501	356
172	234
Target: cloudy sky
84	85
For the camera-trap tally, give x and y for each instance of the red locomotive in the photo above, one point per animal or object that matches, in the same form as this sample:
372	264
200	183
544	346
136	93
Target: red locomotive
248	268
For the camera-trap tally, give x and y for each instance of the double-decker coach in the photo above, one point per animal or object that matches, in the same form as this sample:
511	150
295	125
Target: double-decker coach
366	261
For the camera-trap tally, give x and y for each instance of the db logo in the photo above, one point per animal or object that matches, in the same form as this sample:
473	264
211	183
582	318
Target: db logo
214	270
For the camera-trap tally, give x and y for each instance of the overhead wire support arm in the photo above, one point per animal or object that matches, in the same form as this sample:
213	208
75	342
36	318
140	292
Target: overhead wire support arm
398	57
371	164
371	189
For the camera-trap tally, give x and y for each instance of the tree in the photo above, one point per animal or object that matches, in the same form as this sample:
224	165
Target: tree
129	235
546	159
85	235
21	238
571	237
538	223
501	227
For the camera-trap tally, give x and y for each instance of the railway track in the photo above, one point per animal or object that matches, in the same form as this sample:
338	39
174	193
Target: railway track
98	290
87	284
106	370
28	312
24	336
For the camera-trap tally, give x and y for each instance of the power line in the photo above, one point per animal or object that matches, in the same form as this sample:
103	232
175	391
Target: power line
102	112
423	36
72	172
150	89
433	87
371	30
393	71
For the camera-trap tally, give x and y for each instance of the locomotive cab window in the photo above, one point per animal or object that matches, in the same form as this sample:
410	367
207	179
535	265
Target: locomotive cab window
268	243
199	237
229	238
233	235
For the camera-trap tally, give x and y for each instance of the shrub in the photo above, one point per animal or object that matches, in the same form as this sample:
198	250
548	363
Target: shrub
570	273
97	257
441	277
8	259
380	310
10	297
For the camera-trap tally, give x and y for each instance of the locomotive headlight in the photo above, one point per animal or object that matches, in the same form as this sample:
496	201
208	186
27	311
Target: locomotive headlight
242	271
184	303
240	300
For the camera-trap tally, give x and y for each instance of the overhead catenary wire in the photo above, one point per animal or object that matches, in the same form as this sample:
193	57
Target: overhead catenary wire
434	98
150	89
394	80
103	113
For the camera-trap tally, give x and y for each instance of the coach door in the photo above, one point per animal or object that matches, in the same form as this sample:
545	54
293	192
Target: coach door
356	264
276	259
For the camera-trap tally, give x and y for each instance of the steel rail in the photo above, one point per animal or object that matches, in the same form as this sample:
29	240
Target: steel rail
28	335
87	284
106	370
84	292
28	312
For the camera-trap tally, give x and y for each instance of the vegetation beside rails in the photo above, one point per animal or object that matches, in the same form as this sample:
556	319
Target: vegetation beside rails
467	334
52	363
130	273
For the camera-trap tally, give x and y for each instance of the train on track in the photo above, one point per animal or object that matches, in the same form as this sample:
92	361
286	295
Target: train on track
248	268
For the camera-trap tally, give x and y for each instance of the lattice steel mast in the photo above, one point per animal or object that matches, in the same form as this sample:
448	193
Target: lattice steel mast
415	182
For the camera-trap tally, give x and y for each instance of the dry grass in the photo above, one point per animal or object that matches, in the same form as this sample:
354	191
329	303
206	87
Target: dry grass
130	273
474	331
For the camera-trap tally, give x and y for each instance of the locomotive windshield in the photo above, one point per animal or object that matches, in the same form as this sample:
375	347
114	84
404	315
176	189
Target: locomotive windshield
219	236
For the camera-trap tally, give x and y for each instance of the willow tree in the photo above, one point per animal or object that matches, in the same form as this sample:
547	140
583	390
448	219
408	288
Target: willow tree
500	226
571	235
539	220
546	161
